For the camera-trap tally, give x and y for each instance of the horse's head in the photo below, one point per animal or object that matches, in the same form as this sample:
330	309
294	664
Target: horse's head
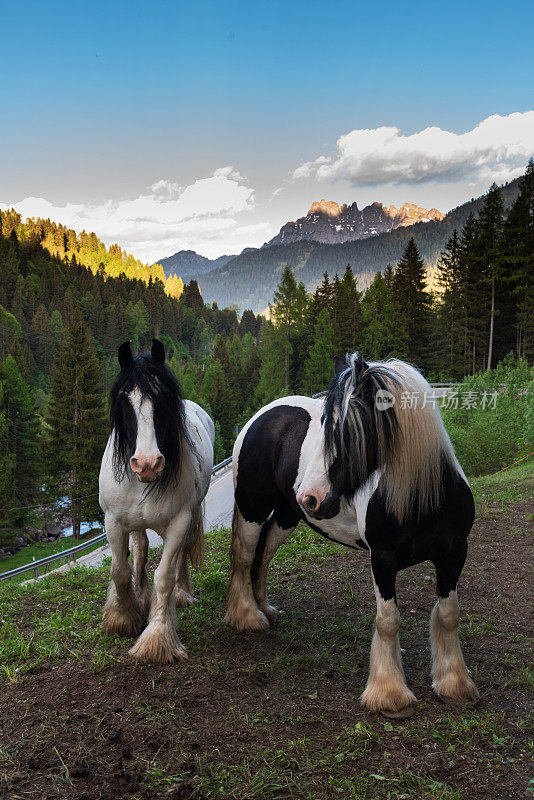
147	416
347	450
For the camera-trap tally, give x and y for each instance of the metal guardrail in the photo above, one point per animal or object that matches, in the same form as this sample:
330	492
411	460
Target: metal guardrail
34	565
72	551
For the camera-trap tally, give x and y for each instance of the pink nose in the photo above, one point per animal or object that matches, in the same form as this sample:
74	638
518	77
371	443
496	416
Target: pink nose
147	466
308	501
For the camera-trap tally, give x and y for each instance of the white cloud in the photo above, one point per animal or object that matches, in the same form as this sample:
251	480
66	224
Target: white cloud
496	149
201	216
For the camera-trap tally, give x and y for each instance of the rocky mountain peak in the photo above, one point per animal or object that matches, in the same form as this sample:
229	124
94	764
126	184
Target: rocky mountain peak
328	207
330	223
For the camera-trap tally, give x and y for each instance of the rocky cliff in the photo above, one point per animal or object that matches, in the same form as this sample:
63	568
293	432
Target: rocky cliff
329	223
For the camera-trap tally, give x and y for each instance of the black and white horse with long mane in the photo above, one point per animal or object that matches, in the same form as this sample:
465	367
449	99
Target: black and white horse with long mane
369	466
155	472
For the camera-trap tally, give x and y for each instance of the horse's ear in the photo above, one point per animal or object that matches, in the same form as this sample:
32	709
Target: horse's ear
158	351
340	365
125	355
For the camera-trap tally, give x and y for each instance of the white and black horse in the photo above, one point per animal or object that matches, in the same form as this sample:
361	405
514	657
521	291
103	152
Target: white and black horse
155	472
369	466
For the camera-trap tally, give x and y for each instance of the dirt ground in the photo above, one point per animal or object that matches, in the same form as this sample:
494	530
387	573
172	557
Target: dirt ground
277	715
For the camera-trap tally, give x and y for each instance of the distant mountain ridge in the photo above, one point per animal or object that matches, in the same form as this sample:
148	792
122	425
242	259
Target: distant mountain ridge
328	223
185	263
250	279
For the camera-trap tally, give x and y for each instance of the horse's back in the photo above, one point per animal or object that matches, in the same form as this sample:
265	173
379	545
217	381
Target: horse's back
196	414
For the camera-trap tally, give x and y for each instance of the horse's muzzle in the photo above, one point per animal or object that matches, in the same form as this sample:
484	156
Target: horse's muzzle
149	476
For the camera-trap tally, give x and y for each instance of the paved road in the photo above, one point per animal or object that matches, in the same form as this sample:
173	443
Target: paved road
218	509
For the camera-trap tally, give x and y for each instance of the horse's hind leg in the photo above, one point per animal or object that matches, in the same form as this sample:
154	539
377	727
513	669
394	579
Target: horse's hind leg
273	534
122	613
386	690
194	552
140	577
183	591
241	608
450	677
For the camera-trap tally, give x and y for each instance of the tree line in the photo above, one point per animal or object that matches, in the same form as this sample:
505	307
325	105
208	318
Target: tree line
480	311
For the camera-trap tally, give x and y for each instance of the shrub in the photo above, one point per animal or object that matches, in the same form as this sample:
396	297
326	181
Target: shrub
500	428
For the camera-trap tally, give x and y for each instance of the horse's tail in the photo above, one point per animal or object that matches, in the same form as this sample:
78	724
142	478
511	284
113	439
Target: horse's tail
196	548
413	446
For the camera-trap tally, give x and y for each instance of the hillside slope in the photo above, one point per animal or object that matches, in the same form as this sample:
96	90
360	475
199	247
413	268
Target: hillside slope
188	262
249	280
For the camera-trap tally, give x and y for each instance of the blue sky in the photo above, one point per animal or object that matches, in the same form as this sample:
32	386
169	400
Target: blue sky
102	101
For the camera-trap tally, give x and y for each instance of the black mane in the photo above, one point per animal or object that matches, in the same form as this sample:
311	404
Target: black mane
354	439
157	383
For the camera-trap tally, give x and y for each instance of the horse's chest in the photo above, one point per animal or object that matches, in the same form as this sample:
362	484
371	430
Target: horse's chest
136	512
349	526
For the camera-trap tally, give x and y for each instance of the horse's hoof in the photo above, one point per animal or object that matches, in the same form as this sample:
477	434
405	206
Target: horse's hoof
159	644
396	702
183	598
117	622
271	613
247	619
455	690
403	713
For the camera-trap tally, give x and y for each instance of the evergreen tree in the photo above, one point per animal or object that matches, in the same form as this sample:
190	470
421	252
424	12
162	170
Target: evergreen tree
518	256
389	276
451	308
489	230
8	498
380	337
347	314
412	304
318	365
474	297
77	423
217	392
191	297
23	430
271	382
287	314
41	334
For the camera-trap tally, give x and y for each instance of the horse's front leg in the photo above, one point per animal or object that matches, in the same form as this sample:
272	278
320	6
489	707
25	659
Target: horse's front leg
386	690
140	577
451	679
122	612
159	642
272	537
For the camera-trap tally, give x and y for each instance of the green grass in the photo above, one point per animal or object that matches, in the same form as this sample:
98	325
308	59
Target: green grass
503	487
